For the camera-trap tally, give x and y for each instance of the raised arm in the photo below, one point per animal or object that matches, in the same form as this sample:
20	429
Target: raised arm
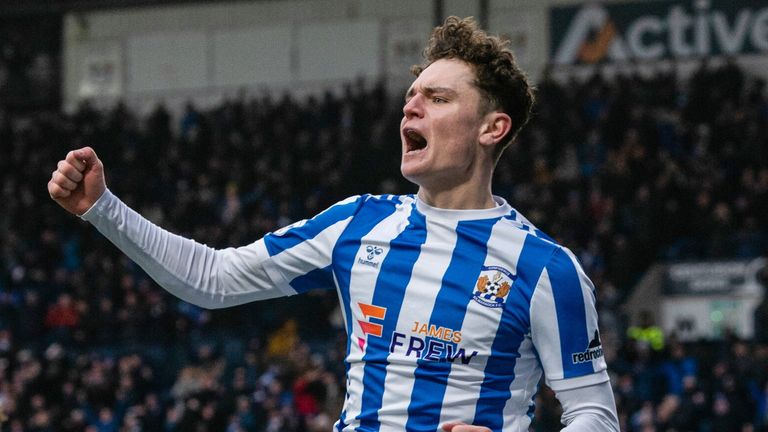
190	270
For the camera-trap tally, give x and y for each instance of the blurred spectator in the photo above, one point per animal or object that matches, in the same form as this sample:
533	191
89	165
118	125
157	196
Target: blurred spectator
646	332
62	315
29	49
680	371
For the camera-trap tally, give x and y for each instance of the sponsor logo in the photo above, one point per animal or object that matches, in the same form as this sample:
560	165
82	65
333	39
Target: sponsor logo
433	331
372	252
593	351
369	328
427	342
429	349
493	286
430	342
596	33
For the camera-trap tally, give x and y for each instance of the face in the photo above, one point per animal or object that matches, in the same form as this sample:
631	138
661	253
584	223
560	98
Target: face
441	125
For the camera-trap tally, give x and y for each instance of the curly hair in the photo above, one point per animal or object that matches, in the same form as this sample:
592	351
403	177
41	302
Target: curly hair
501	82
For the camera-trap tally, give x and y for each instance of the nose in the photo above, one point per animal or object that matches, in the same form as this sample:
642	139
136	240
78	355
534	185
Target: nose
413	108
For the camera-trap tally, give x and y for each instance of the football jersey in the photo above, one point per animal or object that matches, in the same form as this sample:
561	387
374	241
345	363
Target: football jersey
451	315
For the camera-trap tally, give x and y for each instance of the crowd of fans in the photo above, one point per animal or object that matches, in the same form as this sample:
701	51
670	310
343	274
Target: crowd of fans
624	171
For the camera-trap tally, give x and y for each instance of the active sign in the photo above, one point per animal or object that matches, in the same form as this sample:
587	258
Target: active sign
656	30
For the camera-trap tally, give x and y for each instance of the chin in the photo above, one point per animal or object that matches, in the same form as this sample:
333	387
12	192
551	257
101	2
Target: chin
410	173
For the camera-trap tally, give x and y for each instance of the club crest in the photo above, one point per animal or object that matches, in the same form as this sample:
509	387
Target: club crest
493	286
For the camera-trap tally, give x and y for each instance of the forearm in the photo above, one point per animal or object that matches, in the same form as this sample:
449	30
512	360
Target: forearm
191	271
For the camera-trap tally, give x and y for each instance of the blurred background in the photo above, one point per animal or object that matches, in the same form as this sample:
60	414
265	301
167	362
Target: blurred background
647	156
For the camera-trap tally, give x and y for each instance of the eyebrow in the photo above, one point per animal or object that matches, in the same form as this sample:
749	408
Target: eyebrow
431	90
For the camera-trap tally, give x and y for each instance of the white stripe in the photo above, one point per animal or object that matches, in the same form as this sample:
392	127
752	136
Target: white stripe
546	332
516	408
417	305
466	381
361	286
480	326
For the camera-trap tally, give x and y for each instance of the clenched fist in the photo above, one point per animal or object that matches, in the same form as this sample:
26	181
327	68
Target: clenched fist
78	181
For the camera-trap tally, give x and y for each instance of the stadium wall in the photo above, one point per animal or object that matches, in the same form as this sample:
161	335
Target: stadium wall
208	51
700	300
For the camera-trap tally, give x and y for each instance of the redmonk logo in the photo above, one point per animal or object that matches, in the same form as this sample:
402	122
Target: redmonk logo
594	351
370	328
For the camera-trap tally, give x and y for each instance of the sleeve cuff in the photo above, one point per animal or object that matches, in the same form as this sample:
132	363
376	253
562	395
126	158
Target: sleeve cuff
576	382
98	207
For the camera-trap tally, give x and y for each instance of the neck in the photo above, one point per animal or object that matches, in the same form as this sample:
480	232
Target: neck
460	189
461	197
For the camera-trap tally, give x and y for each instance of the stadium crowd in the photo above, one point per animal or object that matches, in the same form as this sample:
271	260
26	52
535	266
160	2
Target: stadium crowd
624	171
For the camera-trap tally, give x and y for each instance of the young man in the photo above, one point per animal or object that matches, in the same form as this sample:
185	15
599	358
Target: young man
454	303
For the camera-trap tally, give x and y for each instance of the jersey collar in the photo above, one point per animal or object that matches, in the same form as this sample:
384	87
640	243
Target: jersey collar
502	208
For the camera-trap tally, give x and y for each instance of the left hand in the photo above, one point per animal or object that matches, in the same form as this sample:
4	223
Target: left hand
463	427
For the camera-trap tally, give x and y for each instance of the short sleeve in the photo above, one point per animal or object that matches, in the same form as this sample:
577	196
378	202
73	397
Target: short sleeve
564	326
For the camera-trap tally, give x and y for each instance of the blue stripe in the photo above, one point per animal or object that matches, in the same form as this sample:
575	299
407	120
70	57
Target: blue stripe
571	316
279	241
344	253
542	234
515	324
512	215
340	425
431	377
317	278
395	273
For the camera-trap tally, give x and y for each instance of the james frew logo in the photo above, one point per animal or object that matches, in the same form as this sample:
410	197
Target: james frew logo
594	351
428	342
493	286
369	328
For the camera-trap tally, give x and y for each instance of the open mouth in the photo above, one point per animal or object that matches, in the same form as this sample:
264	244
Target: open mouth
414	141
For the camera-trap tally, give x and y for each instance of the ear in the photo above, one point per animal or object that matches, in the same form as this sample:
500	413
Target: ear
495	127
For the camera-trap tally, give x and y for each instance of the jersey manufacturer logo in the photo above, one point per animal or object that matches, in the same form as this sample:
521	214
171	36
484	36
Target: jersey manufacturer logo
594	351
371	256
493	286
369	328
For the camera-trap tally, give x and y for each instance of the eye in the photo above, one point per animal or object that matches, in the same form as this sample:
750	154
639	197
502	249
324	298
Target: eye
438	100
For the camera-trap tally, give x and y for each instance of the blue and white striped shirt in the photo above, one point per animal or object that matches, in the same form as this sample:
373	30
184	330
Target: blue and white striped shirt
451	315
